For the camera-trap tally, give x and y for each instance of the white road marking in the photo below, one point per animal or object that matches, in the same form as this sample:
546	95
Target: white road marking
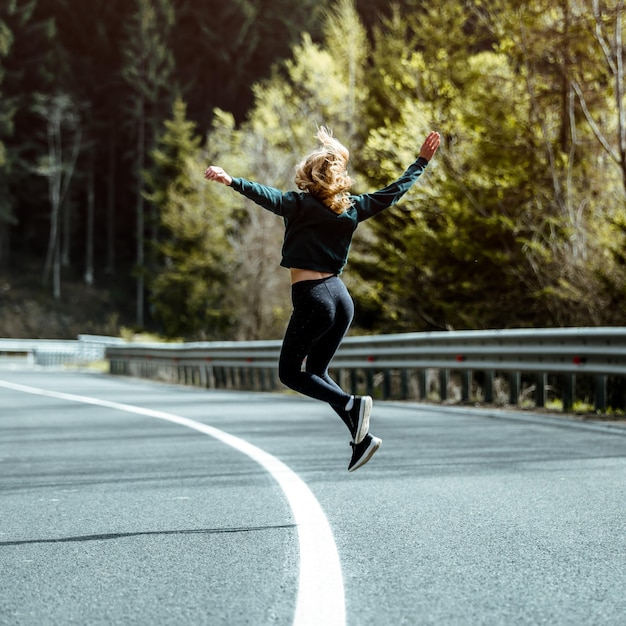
321	598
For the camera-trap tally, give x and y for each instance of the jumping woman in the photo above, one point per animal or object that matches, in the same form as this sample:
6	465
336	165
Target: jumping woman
320	221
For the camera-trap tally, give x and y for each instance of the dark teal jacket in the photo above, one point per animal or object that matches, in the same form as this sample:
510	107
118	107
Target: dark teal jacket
316	238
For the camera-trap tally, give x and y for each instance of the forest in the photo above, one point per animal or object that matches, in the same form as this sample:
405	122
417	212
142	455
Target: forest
110	111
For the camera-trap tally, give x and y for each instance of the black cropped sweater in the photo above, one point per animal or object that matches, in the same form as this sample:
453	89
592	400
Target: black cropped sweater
316	238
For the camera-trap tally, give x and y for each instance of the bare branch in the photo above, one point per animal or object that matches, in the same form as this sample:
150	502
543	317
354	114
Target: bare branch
619	79
602	40
594	127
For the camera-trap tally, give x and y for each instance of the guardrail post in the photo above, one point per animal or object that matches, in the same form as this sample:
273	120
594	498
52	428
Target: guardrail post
569	389
404	384
515	379
488	392
599	399
209	381
466	382
619	393
541	380
353	381
273	379
422	392
218	372
386	385
369	381
444	378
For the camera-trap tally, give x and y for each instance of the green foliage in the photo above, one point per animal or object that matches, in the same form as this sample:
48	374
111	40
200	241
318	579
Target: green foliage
503	237
518	222
188	290
563	55
149	63
454	238
223	48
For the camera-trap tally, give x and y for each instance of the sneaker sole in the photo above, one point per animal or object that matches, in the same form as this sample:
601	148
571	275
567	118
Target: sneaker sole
369	453
363	425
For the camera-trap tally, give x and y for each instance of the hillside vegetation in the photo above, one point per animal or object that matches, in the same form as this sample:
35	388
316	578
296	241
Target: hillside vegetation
520	221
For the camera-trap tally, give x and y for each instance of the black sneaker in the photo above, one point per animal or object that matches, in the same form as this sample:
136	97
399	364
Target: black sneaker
360	417
363	452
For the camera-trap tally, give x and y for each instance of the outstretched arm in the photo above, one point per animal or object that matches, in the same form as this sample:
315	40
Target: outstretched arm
213	172
269	198
370	204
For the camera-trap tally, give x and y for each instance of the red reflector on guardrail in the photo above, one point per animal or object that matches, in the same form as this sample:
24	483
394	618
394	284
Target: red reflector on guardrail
370	359
577	360
460	358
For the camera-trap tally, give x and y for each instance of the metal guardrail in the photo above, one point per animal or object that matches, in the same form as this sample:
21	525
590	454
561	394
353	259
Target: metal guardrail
529	364
47	352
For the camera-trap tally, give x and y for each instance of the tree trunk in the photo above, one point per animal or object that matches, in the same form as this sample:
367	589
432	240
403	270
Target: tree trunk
140	216
90	222
65	238
54	194
4	245
57	112
56	273
110	266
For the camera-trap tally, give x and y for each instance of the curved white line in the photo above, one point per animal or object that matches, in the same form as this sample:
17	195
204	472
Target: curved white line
320	589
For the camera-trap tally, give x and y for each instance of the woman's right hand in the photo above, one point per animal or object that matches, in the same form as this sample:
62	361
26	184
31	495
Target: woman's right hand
430	146
213	172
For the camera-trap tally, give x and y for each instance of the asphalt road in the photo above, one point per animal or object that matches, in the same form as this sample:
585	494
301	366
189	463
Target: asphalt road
109	516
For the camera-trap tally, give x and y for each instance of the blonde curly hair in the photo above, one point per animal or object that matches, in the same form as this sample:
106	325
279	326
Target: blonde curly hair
324	175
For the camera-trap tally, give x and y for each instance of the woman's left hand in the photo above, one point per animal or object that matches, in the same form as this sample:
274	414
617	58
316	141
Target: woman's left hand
213	172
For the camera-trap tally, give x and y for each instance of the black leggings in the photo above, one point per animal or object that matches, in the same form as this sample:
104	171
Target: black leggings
322	313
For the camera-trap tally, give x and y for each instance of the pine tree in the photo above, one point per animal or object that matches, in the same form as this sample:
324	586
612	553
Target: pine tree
188	290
